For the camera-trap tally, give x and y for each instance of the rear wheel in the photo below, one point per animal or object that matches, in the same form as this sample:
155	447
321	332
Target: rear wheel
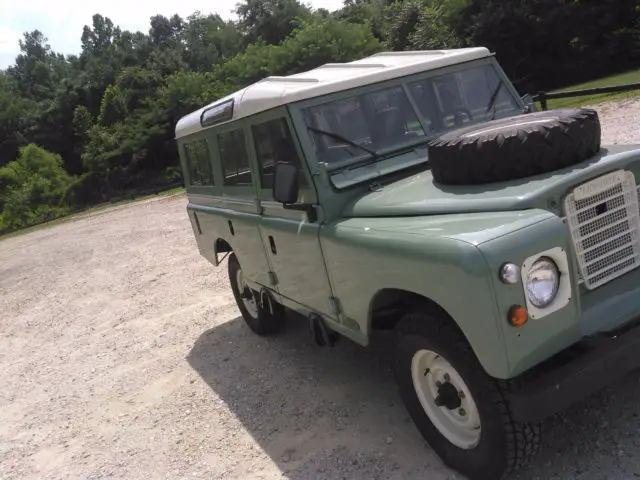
460	411
263	317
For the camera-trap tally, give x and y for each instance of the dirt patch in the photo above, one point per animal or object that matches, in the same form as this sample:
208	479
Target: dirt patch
122	355
620	121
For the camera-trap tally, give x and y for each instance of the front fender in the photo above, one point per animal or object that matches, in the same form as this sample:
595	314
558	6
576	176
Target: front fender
364	256
539	338
452	260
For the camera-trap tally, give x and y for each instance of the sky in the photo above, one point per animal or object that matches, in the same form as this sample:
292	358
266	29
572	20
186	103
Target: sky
62	21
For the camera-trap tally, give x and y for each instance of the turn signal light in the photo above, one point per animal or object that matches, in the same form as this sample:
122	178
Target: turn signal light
518	316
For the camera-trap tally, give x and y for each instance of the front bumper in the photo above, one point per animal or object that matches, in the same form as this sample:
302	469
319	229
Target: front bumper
576	373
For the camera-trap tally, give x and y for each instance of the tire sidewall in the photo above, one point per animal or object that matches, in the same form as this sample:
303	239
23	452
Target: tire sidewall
266	322
516	147
234	266
489	458
506	125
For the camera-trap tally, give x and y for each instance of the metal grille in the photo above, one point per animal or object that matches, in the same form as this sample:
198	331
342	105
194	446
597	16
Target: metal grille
604	222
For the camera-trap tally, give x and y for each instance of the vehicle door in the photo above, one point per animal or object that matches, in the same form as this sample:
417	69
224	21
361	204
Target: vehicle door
238	204
291	238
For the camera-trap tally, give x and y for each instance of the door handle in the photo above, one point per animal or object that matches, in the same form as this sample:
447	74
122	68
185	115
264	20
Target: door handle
272	243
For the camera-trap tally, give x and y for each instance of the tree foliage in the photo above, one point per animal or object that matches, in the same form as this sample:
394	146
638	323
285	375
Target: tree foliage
419	25
31	187
103	120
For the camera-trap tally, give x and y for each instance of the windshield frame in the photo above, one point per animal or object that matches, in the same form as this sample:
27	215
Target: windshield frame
359	166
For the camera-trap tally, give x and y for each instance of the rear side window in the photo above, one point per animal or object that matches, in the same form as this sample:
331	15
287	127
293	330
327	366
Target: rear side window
274	144
197	155
234	158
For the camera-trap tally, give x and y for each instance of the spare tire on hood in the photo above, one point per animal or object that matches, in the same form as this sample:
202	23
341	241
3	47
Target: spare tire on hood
515	147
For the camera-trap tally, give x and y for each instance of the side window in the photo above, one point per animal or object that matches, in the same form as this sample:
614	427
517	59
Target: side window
234	158
197	155
274	144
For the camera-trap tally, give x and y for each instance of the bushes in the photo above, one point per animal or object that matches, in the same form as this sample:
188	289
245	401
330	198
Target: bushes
31	188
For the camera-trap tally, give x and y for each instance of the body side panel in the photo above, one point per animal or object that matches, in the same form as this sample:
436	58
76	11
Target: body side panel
236	221
363	260
294	252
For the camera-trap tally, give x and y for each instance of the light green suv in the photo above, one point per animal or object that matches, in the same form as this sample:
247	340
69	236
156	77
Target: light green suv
417	192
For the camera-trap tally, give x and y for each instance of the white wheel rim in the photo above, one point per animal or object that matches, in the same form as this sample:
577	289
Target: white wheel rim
433	375
249	303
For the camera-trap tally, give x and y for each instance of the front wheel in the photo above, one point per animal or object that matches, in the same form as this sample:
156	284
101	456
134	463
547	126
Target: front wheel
460	411
263	320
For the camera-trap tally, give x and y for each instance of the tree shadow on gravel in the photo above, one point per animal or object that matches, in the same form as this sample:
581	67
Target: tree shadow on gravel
336	413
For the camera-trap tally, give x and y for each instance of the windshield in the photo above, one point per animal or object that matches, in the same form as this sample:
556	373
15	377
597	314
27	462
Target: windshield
385	120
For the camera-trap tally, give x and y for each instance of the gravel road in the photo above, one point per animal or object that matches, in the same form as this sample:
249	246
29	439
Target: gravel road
122	355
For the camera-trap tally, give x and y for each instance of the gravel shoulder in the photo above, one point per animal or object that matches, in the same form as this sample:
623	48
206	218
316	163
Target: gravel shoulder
122	355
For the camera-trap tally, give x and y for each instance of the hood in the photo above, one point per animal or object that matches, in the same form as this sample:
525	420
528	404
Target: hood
419	195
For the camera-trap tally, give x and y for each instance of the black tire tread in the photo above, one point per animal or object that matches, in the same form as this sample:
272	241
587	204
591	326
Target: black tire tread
522	439
510	152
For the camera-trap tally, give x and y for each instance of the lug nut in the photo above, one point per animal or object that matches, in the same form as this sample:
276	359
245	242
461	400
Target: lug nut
462	412
447	378
461	394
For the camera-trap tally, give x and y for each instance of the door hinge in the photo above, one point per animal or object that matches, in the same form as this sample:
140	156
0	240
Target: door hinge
335	307
273	278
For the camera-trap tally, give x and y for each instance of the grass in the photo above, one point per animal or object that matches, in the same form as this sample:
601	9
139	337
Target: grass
619	79
90	210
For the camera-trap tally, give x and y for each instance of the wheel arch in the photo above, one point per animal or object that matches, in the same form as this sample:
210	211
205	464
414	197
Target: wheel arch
220	246
388	306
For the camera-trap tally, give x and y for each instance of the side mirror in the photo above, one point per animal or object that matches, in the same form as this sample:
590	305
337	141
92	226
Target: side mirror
529	104
285	183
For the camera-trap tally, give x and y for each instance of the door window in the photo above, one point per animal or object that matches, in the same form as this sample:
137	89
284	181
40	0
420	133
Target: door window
199	165
234	158
274	143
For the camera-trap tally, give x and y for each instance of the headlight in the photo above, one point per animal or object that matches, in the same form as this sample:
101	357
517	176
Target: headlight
543	281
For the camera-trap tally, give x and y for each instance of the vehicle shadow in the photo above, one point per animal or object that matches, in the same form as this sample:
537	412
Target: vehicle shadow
336	413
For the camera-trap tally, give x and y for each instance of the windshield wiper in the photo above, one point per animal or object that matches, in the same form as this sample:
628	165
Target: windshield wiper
340	138
492	100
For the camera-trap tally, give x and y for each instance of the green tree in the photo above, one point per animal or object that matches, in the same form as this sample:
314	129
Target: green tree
17	114
82	121
99	38
544	44
317	41
165	32
269	21
31	187
369	12
210	41
37	68
419	25
113	107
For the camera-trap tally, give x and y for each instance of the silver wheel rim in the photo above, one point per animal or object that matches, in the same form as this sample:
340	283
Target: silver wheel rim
246	295
435	381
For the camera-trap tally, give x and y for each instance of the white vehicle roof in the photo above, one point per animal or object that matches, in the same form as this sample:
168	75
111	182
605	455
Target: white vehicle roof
273	92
